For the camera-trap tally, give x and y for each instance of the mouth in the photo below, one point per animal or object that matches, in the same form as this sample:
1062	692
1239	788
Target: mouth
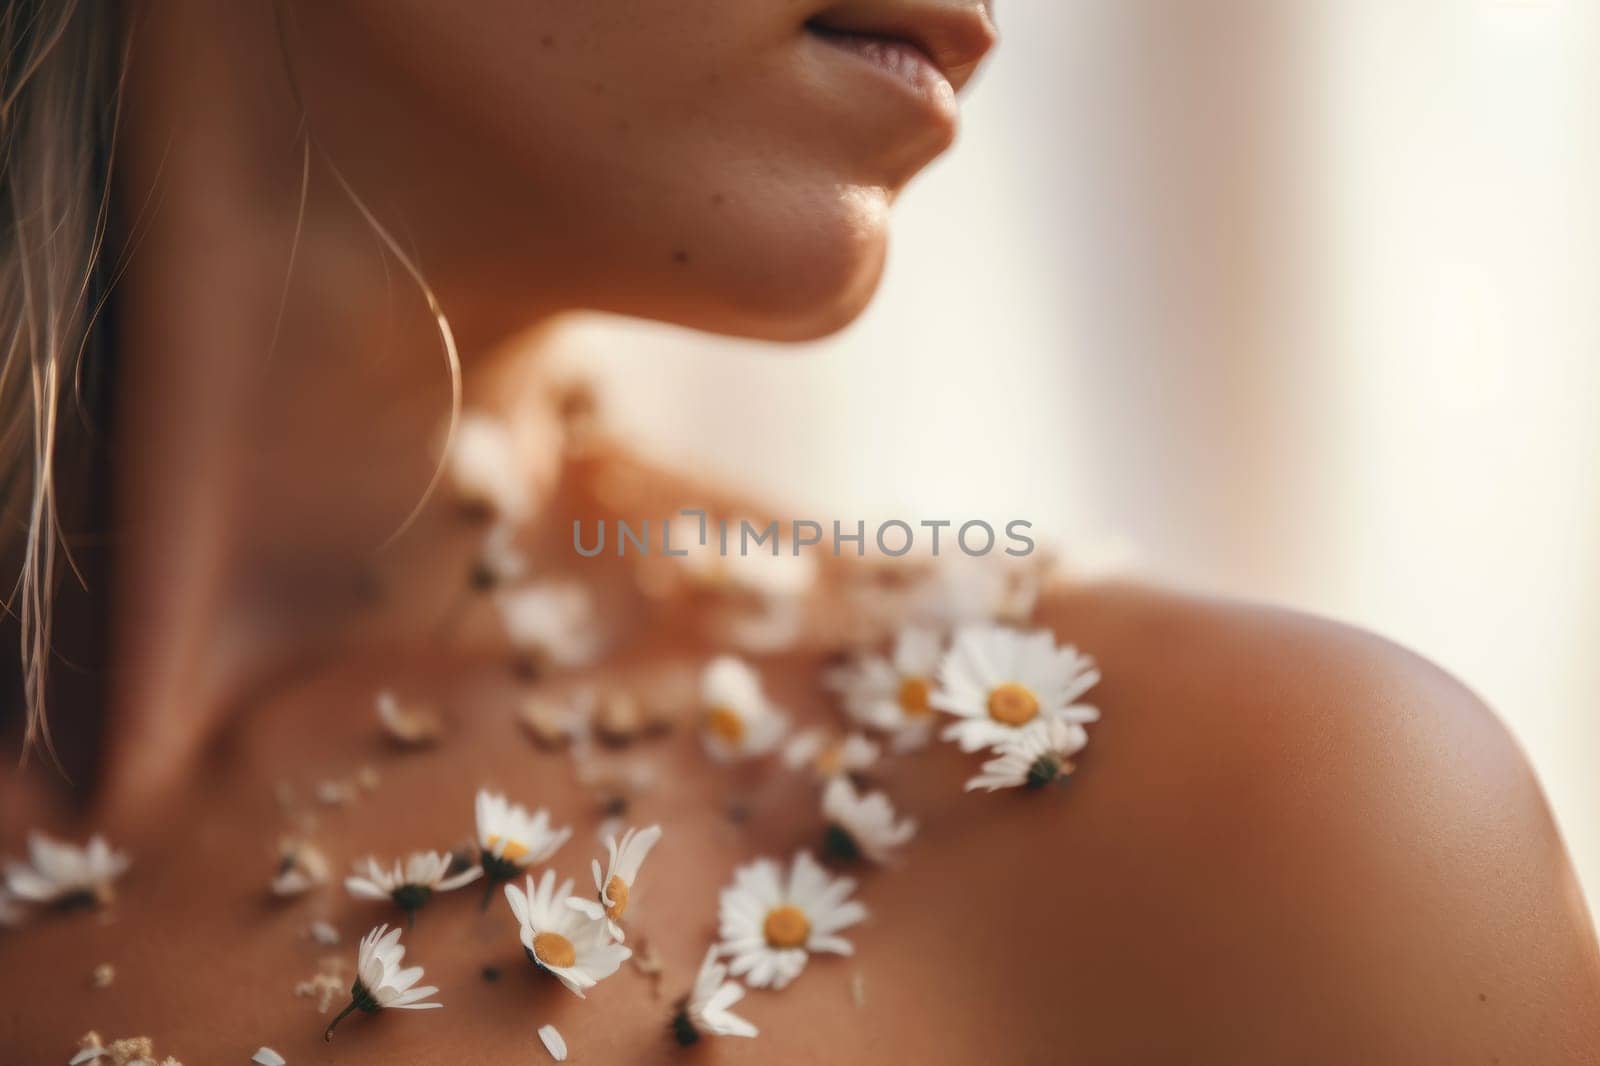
932	50
900	59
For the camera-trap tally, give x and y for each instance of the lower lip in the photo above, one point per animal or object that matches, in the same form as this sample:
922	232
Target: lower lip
900	60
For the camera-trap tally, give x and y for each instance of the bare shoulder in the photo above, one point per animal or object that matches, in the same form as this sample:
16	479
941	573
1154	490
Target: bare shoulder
1305	838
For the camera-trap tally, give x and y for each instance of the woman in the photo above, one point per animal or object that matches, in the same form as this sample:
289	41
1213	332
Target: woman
1285	841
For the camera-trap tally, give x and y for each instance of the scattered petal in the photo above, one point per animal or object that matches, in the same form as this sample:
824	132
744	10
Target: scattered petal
301	867
556	723
410	725
553	1042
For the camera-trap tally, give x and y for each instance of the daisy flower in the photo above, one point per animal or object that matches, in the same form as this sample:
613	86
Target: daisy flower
380	982
562	940
59	872
770	925
996	681
890	695
509	838
555	621
616	885
738	721
830	756
409	885
706	1008
862	825
1039	755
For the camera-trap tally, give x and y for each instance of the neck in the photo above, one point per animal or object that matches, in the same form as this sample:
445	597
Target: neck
282	399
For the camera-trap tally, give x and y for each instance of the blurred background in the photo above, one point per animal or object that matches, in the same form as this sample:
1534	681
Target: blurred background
1298	302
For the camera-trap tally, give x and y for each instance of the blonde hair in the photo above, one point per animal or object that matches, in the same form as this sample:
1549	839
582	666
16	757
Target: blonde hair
61	68
60	64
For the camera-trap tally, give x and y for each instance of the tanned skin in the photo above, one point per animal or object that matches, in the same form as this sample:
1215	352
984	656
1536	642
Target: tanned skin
1287	841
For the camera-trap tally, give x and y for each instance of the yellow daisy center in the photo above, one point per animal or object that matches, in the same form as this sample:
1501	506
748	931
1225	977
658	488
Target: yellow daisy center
913	697
554	950
831	760
787	927
724	723
513	850
1013	704
617	893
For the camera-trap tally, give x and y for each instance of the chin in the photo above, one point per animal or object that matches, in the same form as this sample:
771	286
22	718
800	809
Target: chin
797	274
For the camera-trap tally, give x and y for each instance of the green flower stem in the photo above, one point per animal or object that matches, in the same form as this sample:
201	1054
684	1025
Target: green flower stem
327	1034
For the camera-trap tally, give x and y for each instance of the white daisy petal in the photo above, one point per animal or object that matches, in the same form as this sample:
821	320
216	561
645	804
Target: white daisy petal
553	1042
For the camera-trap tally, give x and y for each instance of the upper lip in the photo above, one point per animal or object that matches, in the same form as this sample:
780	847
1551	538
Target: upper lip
954	35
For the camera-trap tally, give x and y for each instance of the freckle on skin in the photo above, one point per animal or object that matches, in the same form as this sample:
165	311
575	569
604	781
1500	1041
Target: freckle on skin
548	41
680	256
717	199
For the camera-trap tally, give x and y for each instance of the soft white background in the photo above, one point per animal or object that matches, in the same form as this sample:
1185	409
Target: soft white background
1290	301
